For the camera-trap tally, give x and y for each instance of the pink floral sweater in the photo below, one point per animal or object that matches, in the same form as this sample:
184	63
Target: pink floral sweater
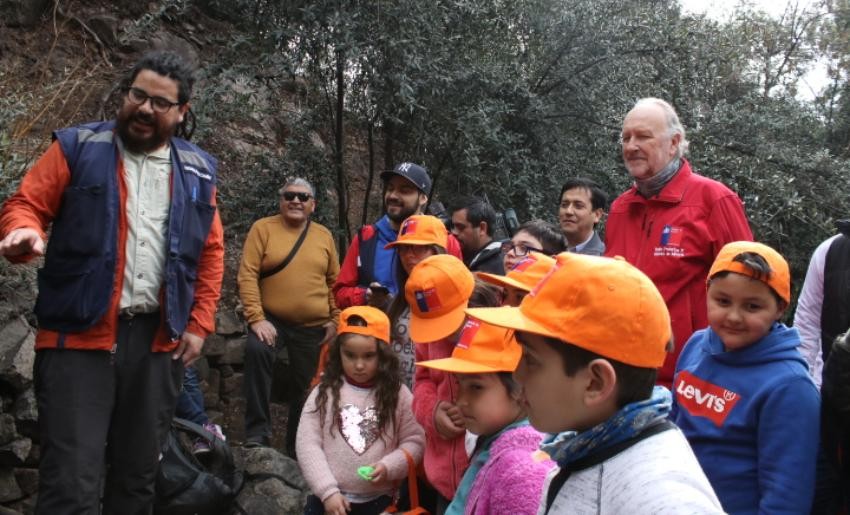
329	460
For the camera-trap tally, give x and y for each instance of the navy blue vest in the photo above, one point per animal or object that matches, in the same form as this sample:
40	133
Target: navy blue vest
76	284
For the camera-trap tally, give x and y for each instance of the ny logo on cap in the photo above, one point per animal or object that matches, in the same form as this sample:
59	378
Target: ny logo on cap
404	167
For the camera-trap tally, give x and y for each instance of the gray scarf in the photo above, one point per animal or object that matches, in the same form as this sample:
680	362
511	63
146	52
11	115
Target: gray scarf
652	186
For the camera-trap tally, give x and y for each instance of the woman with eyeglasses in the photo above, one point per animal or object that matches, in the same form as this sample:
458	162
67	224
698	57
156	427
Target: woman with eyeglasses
533	236
419	237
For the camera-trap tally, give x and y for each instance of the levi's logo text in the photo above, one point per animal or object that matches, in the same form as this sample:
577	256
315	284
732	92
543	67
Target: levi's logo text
470	328
703	399
409	226
427	300
671	242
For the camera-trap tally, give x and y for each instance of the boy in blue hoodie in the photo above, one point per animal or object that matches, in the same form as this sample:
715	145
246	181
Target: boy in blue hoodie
743	396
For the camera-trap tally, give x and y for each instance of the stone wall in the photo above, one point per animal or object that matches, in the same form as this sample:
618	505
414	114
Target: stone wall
279	489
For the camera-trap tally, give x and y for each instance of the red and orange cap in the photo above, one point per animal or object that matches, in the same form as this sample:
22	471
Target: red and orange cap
437	292
421	230
482	348
377	323
602	305
525	274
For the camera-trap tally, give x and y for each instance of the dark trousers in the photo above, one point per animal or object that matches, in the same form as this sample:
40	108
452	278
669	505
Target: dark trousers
95	407
302	345
314	506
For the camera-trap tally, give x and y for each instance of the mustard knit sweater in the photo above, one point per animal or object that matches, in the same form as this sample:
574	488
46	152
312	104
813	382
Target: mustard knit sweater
300	294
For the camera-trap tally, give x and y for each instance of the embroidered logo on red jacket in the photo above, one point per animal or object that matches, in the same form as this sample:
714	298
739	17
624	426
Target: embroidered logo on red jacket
703	399
671	236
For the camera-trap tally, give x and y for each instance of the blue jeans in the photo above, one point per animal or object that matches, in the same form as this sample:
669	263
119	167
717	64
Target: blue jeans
190	402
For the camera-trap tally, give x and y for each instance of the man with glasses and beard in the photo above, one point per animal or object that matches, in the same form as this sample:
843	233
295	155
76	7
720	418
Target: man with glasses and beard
367	275
289	265
127	294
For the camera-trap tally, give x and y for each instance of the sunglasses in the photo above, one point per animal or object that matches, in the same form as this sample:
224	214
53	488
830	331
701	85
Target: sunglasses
289	196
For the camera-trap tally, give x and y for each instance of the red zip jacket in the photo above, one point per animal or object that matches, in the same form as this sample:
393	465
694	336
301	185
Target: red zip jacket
673	238
37	202
445	460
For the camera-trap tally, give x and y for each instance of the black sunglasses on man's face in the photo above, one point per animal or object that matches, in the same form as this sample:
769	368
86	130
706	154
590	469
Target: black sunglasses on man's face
289	196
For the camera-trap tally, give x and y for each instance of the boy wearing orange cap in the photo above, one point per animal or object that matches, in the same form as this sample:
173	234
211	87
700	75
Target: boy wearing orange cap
743	395
591	352
503	476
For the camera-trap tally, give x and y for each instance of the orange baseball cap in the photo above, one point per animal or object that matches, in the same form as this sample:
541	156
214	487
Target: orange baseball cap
437	292
779	279
482	348
602	305
525	274
421	230
377	323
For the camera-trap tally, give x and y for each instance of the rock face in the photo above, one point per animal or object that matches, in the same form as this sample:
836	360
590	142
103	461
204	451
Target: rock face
274	484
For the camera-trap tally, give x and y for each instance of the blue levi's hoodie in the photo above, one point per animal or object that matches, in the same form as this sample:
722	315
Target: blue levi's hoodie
752	417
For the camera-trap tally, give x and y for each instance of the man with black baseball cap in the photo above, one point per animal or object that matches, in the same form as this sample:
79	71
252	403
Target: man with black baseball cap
367	274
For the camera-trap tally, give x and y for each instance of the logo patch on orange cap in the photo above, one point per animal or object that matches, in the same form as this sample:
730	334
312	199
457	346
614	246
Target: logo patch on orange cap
427	300
526	262
545	278
470	329
408	226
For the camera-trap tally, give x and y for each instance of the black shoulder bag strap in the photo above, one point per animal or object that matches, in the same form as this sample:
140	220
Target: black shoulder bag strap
561	477
288	258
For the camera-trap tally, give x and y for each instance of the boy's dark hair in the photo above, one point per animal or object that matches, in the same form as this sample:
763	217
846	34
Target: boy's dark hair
387	382
758	266
167	64
633	383
598	197
551	237
477	211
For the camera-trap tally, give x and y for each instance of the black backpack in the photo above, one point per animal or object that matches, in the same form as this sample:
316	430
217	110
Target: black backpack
186	485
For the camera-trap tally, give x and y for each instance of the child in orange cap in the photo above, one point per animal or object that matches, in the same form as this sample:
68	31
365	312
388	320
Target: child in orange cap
503	477
743	395
594	333
419	237
359	415
438	291
522	278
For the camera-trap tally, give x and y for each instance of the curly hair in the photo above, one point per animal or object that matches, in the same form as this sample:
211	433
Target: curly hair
387	384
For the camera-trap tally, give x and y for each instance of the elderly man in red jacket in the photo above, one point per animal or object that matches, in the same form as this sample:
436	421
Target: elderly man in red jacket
672	222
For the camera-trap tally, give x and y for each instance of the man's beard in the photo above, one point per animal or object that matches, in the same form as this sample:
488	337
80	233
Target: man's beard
402	215
155	140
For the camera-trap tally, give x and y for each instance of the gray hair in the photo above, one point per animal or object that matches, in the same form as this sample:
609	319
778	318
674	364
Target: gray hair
674	126
297	181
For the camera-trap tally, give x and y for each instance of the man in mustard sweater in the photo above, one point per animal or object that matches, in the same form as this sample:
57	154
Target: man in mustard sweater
289	265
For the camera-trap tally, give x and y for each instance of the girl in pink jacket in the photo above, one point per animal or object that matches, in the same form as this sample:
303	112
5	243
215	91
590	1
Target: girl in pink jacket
358	416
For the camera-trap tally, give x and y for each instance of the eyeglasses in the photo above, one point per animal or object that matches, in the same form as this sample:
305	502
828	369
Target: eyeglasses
520	249
158	104
289	196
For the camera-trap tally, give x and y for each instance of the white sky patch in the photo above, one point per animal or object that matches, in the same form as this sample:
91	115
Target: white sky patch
721	10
